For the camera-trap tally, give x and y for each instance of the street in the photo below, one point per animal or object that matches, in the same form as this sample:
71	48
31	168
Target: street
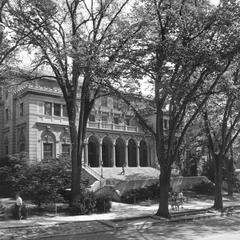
217	228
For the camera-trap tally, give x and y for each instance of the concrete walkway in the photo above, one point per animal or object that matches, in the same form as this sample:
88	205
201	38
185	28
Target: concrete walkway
121	211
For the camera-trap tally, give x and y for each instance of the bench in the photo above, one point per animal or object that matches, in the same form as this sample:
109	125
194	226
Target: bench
228	211
176	201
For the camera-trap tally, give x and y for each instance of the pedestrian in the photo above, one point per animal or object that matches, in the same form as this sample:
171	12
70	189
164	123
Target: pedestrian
18	206
123	168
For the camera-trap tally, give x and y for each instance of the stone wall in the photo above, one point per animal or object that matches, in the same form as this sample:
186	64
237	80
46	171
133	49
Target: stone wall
186	183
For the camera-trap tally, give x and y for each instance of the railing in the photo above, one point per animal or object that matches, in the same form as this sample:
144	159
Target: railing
112	126
92	172
52	119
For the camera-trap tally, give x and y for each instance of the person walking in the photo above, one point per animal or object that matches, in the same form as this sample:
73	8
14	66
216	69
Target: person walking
123	168
18	206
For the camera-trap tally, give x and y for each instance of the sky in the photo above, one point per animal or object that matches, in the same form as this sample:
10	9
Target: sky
215	2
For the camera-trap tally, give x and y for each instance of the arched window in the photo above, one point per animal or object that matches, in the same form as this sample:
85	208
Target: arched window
49	145
65	145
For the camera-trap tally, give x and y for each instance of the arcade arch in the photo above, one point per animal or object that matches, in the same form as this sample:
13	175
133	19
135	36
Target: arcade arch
120	152
107	152
93	152
143	154
132	153
115	152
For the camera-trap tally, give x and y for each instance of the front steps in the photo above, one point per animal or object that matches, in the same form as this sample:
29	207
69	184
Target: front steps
110	179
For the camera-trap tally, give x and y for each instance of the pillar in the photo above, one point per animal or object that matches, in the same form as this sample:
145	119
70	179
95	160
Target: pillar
126	154
138	154
114	154
100	154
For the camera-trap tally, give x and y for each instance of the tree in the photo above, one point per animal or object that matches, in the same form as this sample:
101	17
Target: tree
182	46
221	118
79	41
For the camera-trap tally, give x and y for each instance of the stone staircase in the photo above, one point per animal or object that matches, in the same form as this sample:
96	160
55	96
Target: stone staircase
110	179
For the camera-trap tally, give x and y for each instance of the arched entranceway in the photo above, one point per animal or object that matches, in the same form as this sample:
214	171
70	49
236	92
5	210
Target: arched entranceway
107	149
120	152
132	153
93	152
143	154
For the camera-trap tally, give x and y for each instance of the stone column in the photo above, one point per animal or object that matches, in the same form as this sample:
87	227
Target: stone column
126	154
138	154
86	153
114	154
100	154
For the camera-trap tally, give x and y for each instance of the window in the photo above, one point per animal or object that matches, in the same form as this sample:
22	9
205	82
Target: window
47	150
21	139
21	147
127	121
116	120
165	123
6	114
92	118
64	110
115	103
48	108
104	118
66	150
21	109
104	101
57	109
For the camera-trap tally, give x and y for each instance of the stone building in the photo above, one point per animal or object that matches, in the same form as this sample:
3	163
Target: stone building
33	119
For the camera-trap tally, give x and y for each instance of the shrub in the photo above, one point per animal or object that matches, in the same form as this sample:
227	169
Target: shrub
12	169
103	204
204	188
140	194
38	182
42	181
84	203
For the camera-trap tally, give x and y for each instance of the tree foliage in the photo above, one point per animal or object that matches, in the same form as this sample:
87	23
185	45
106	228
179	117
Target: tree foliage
40	182
183	50
79	41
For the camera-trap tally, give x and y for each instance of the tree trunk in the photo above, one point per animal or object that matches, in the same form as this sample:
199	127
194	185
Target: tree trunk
164	180
218	203
75	185
230	173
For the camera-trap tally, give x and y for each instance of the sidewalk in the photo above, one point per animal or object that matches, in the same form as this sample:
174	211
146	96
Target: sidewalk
119	211
120	214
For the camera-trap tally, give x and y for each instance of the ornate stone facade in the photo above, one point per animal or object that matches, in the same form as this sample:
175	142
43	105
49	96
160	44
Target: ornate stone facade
34	121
